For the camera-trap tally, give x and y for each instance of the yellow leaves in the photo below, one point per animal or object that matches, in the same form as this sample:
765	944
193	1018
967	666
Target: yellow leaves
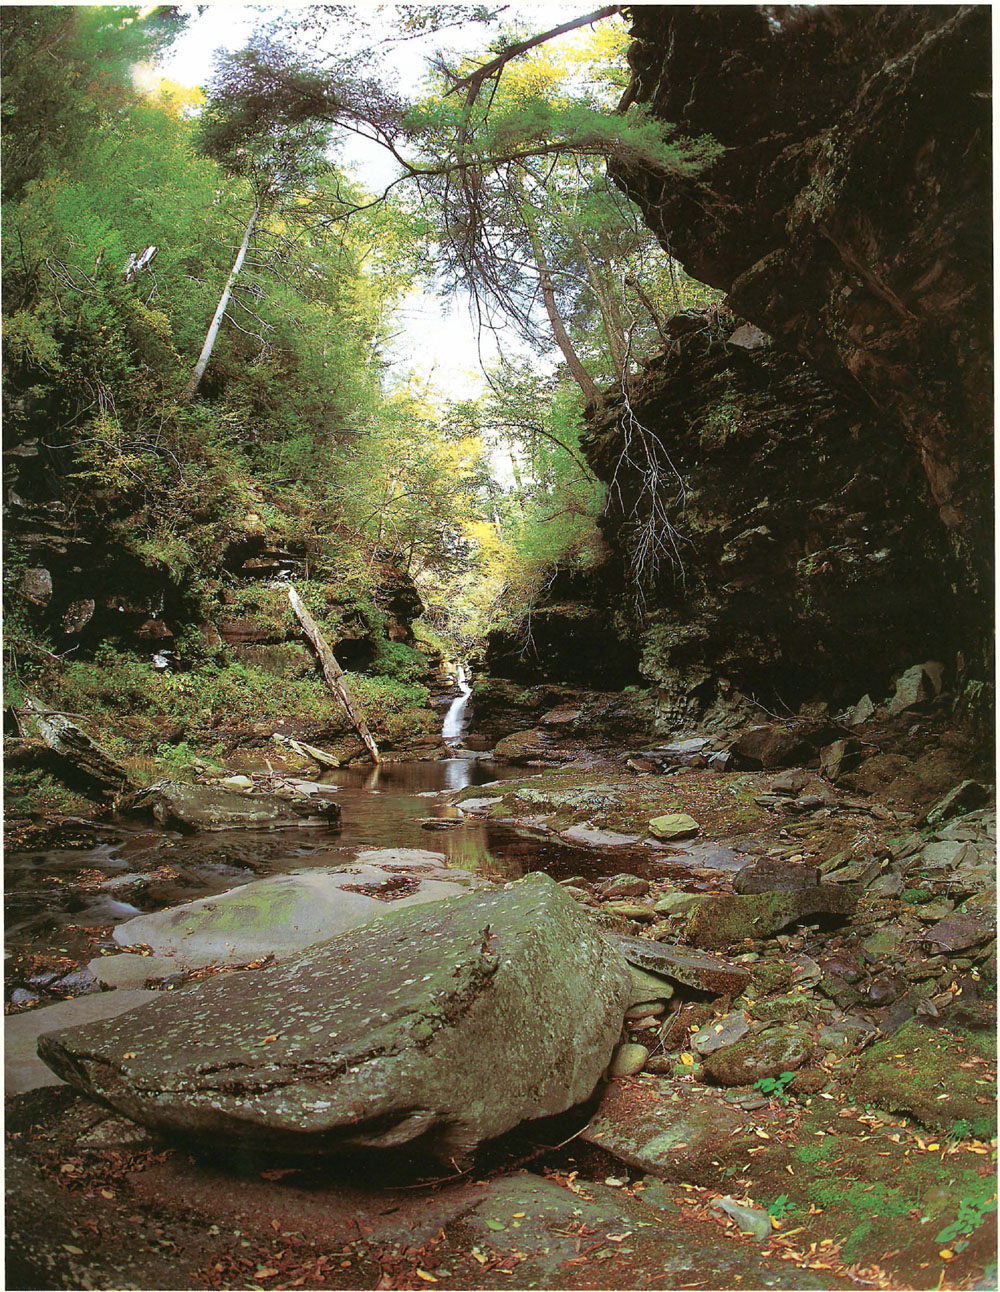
73	1251
688	1061
129	1054
428	1278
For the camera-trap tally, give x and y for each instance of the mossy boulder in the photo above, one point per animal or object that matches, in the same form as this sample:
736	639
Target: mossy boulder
764	1054
532	746
791	1008
723	921
449	1023
674	825
943	1077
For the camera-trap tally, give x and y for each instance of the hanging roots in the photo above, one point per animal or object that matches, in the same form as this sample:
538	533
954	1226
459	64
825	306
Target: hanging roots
649	534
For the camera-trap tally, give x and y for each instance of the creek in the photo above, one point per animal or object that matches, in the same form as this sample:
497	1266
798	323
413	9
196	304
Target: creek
65	901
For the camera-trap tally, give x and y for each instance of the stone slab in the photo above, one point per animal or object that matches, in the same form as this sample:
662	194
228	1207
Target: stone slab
282	914
684	965
449	1023
594	838
130	971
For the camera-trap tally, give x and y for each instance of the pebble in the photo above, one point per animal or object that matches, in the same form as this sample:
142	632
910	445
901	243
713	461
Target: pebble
647	1009
628	1059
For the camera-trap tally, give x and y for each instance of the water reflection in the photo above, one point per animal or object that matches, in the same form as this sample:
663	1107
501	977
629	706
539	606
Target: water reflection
51	895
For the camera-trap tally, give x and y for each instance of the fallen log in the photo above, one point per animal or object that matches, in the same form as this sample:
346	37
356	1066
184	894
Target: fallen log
69	741
333	673
300	747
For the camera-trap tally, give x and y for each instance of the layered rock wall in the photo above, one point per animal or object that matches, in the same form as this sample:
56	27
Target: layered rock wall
849	217
809	562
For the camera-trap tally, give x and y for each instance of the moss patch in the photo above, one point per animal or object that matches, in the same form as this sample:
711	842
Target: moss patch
945	1079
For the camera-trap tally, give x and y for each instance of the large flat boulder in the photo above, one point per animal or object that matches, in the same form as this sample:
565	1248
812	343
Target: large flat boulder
450	1022
283	914
721	920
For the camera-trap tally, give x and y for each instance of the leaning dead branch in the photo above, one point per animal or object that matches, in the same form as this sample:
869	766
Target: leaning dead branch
333	673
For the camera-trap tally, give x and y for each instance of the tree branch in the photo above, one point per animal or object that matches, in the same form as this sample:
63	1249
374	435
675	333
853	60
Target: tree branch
475	80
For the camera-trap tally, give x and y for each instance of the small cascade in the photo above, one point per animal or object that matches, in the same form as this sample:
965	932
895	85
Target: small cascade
454	719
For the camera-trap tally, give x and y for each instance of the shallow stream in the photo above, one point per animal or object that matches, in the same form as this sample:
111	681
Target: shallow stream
58	901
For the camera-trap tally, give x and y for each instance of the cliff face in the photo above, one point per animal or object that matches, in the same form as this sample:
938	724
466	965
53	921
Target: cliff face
849	217
809	562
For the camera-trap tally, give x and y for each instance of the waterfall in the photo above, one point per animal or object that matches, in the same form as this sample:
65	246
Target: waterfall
454	719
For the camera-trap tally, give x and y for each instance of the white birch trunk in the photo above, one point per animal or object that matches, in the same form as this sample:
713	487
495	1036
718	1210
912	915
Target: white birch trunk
213	329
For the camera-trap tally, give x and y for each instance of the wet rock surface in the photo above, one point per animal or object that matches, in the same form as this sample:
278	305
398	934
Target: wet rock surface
280	915
807	1020
213	807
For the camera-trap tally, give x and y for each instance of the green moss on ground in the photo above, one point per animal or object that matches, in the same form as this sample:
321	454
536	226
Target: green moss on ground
945	1078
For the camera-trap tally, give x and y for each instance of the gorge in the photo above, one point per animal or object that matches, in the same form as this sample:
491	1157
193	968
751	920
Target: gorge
654	944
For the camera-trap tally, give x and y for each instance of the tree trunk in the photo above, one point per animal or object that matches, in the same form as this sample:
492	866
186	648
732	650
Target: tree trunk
580	375
633	282
213	329
333	673
611	319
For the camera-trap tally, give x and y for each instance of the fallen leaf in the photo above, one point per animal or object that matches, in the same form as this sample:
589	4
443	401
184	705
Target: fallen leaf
428	1278
74	1251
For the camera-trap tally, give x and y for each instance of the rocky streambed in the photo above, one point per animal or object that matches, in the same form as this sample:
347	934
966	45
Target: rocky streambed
741	1034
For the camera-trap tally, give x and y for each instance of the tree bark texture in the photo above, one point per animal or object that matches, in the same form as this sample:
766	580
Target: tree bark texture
580	375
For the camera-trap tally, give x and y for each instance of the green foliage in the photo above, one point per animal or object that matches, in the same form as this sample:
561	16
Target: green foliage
32	791
780	1208
774	1086
299	440
178	762
398	661
979	1199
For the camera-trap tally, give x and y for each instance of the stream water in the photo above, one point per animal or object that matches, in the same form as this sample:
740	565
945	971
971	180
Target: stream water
57	900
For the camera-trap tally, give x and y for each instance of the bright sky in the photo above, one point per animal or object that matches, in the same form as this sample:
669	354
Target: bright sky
437	342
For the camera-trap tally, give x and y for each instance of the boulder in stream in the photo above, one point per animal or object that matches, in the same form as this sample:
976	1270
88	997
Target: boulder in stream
211	807
449	1023
284	914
